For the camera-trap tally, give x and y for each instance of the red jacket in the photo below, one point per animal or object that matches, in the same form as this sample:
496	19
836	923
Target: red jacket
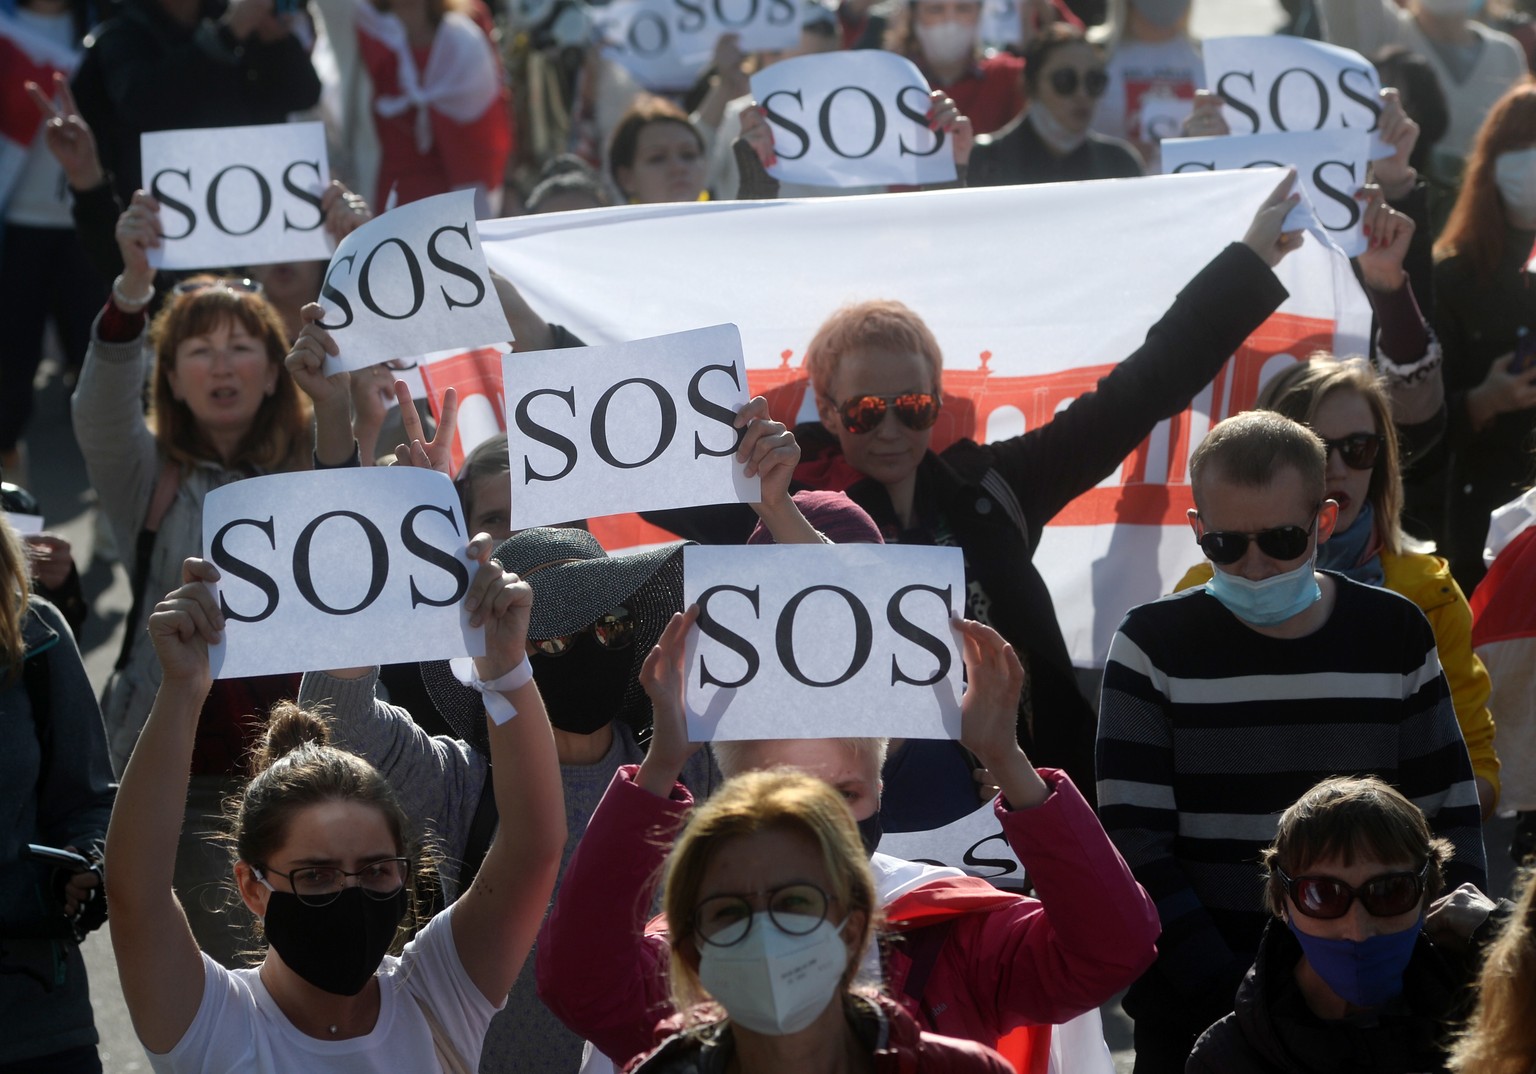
1008	961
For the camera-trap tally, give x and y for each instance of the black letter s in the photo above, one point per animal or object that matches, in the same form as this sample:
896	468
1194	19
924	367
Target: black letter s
244	571
733	641
534	431
434	555
909	630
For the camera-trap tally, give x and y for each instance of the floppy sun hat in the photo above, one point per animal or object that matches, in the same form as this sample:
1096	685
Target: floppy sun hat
574	582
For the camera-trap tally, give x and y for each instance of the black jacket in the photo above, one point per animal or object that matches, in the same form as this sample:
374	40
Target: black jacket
1016	155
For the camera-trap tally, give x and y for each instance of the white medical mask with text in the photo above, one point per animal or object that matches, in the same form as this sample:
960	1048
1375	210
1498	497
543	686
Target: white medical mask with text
947	42
774	983
1514	174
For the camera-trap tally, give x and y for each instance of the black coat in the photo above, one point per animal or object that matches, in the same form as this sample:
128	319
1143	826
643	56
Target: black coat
1016	155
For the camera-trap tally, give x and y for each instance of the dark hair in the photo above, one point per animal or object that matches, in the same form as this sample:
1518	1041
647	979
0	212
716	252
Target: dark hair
1054	38
1350	817
625	141
1475	230
1422	96
1250	448
563	184
489	458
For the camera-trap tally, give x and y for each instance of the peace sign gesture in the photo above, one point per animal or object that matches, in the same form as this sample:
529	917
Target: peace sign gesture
68	135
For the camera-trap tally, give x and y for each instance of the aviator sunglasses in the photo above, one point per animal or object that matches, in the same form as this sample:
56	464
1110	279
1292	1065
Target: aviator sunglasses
864	413
1327	897
1358	450
616	630
1225	547
1064	81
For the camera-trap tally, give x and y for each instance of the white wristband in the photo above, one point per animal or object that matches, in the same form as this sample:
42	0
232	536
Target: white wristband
498	707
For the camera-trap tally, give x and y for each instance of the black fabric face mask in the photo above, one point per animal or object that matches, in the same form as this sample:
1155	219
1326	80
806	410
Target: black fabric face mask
336	947
583	688
870	831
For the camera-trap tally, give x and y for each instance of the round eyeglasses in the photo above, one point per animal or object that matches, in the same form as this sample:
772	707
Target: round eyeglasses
321	885
794	909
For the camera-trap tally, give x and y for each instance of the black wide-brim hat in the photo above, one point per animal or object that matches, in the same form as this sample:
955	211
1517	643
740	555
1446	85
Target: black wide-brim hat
574	582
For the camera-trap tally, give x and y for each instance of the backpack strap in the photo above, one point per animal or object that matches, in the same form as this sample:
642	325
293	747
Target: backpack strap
160	500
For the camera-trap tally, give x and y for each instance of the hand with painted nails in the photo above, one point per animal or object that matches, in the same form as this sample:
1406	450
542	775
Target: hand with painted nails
1389	233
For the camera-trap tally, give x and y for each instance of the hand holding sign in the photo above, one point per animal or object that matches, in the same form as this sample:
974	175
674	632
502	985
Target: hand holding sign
500	602
852	119
411	282
138	232
185	624
1267	235
664	678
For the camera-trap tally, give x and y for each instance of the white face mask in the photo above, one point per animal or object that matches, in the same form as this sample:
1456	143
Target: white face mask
774	983
947	42
1515	176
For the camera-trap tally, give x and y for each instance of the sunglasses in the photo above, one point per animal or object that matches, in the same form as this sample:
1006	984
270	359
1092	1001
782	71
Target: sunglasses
1358	450
1327	897
228	283
864	413
616	630
1283	542
1064	81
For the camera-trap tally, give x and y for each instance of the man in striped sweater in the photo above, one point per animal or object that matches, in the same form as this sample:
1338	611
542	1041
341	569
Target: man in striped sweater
1222	705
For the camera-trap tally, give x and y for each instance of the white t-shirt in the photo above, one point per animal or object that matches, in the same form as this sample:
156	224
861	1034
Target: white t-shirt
1138	69
239	1026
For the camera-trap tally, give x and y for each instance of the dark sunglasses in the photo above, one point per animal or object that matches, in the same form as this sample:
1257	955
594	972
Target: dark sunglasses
864	413
1327	897
229	283
1358	450
1282	542
1064	81
616	630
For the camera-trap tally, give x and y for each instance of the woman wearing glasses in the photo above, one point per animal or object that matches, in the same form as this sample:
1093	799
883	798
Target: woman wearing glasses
221	408
323	857
1345	978
1050	141
770	907
1346	403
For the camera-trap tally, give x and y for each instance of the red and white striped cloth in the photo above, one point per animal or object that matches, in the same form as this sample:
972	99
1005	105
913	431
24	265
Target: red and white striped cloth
25	56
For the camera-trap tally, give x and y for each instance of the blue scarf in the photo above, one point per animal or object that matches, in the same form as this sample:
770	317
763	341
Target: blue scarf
1346	551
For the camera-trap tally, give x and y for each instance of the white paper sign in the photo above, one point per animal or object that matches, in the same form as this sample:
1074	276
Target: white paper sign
1163	115
238	195
1279	83
975	843
411	282
852	119
666	43
1330	165
24	525
338	568
641	426
823	641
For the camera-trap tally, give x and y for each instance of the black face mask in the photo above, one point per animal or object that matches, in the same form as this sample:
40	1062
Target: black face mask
583	688
870	831
336	947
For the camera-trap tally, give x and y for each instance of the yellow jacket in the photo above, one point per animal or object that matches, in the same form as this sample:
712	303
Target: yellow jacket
1426	580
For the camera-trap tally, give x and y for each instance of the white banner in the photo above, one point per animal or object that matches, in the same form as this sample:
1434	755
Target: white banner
665	44
411	282
338	568
1089	268
238	195
823	641
852	119
1331	166
1278	83
975	844
642	426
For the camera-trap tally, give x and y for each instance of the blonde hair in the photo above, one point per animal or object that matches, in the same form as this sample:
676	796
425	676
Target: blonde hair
1501	1036
732	760
750	804
15	589
881	324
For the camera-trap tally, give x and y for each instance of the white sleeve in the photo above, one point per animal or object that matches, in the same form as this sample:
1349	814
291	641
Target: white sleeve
222	1035
436	979
1364	25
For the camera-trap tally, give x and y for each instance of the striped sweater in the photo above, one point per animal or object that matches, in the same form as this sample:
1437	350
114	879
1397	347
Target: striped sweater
1208	730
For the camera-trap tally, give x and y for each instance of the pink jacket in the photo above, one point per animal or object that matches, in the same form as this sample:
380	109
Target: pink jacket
1008	961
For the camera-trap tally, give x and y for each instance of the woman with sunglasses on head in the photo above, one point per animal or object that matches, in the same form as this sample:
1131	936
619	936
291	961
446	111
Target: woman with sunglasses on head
1050	141
1346	977
770	905
221	408
1346	403
324	857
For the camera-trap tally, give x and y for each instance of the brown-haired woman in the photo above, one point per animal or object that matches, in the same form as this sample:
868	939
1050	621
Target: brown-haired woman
221	408
656	154
324	857
1501	1036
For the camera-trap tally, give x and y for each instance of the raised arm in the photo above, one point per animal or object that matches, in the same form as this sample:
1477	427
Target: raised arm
494	923
158	962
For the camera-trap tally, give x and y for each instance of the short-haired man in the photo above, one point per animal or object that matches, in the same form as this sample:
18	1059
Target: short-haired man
1223	704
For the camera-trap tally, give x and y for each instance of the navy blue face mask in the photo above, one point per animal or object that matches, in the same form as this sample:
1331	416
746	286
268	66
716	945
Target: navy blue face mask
1366	973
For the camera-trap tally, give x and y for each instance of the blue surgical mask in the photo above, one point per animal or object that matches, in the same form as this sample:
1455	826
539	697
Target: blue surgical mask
1271	601
1366	973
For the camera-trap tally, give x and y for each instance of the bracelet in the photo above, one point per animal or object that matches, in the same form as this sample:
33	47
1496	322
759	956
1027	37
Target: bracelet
126	304
498	707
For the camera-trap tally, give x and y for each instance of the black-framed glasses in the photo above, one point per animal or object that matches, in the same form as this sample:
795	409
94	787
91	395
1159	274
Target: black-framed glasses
615	630
1328	897
321	885
795	910
228	283
864	413
1358	450
1065	80
1281	542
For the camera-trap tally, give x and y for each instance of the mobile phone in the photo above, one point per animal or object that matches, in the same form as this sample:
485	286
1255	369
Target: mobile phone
1525	351
58	858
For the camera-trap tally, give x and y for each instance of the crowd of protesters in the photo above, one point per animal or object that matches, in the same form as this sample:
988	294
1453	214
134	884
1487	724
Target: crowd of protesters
1266	829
